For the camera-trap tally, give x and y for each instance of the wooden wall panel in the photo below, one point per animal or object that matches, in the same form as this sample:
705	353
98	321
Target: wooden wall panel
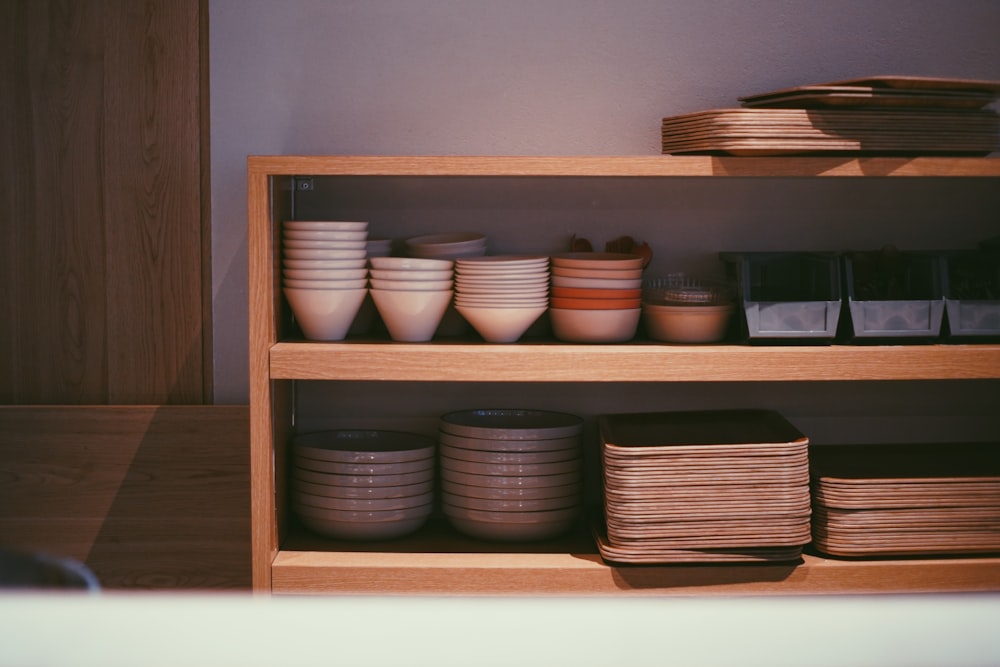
103	236
147	496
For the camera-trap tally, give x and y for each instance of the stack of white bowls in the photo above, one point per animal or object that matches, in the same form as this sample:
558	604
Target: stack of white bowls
411	294
453	246
511	475
596	296
501	296
363	484
324	272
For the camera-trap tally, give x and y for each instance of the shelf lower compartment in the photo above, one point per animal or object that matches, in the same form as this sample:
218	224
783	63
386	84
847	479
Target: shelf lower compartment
437	561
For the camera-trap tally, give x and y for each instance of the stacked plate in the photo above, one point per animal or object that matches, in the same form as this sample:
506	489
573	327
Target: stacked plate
596	296
411	294
702	487
511	475
324	275
906	500
501	296
363	484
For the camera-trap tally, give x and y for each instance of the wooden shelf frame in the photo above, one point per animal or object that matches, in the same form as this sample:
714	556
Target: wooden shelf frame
274	363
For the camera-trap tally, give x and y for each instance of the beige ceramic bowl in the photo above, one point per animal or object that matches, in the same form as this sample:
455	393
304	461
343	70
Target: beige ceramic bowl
594	326
511	493
370	492
511	458
411	264
511	481
324	253
411	285
326	225
326	274
324	314
411	316
332	479
519	469
325	245
597	260
325	264
512	526
326	285
499	324
361	504
324	235
411	274
364	446
362	468
512	505
597	283
687	324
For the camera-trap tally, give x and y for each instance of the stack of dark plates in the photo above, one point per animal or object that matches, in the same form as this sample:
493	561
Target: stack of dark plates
703	487
906	500
511	475
889	115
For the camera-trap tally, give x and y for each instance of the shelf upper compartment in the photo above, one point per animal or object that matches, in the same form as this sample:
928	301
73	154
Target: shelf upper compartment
558	362
634	166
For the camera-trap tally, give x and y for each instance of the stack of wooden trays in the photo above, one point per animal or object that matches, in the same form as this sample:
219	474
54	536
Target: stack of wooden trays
893	115
906	500
703	487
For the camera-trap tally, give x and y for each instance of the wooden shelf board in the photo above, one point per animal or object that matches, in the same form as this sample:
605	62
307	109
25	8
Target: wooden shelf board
555	362
620	165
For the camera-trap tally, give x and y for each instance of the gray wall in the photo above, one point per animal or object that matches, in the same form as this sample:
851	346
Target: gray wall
529	77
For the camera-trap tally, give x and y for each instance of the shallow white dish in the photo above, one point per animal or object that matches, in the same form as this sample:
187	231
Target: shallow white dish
326	225
364	446
366	468
370	492
410	315
511	505
324	235
594	326
510	458
515	469
500	325
324	314
410	264
511	481
364	530
302	499
325	253
512	424
411	285
512	493
503	263
331	479
343	284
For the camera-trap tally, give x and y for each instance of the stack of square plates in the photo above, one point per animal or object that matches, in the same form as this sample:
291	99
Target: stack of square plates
703	486
872	116
903	500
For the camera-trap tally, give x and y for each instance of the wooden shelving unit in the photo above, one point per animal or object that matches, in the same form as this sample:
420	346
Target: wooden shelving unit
289	560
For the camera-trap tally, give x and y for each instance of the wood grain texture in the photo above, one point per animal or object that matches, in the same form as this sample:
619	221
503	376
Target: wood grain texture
102	218
147	496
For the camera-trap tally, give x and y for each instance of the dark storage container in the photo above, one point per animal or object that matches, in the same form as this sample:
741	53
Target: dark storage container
786	295
972	292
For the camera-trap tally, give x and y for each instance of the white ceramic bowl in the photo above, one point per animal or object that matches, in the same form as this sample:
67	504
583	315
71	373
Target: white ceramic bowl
501	325
326	274
535	427
594	326
411	285
326	225
377	468
512	469
325	264
687	324
361	492
364	446
512	505
411	264
301	499
325	245
411	316
324	253
512	493
510	444
597	260
511	458
597	283
331	479
324	314
511	481
405	274
324	235
355	284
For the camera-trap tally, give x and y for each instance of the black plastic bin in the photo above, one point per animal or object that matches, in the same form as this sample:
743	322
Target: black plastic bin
787	295
893	294
972	292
